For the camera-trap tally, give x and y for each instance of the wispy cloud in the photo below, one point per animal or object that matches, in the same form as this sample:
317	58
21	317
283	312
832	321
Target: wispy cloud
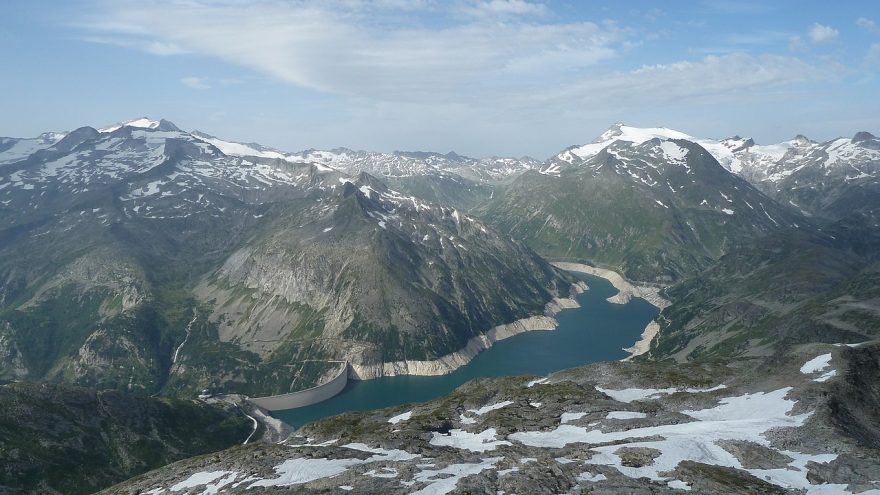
359	52
822	34
153	47
195	82
410	71
495	8
737	6
868	25
731	76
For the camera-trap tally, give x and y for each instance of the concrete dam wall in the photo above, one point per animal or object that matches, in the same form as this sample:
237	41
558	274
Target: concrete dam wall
304	397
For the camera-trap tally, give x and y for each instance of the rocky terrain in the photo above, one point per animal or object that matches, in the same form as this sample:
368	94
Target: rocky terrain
803	421
56	439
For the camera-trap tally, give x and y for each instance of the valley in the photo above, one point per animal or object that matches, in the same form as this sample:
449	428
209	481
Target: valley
142	260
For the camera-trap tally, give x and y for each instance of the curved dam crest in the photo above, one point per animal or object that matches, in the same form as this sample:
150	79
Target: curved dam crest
599	330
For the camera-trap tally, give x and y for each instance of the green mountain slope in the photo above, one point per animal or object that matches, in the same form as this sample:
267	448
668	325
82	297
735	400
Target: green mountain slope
656	211
58	439
791	287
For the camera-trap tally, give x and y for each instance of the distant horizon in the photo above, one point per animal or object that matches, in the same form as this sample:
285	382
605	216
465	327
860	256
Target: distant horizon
481	77
436	151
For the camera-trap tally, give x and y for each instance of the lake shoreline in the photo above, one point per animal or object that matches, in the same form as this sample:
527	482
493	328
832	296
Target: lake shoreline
595	331
626	291
451	362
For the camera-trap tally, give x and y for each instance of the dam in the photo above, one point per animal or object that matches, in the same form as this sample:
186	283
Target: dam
305	397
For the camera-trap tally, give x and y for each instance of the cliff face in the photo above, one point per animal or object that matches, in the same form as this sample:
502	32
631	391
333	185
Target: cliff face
60	439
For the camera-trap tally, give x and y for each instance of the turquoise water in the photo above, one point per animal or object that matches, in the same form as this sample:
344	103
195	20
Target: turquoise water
597	331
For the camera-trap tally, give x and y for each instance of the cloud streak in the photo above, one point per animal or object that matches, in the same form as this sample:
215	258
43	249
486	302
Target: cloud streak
357	53
376	55
195	82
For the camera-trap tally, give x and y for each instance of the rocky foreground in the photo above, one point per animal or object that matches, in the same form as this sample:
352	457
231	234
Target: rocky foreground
803	421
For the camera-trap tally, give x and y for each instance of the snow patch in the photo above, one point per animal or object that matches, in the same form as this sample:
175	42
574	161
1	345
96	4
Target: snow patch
817	364
400	417
625	415
475	442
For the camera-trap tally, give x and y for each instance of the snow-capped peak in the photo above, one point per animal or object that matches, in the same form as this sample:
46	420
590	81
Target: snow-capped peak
620	132
141	123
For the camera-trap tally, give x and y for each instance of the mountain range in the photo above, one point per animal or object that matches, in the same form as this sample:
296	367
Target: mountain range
152	261
141	257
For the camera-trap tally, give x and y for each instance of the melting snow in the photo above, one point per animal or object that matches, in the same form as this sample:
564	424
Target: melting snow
625	415
745	417
591	477
483	410
444	480
301	470
201	478
632	394
818	363
475	442
400	417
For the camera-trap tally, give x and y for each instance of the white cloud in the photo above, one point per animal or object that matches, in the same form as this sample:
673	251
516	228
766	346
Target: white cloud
427	77
366	52
504	8
867	24
822	34
195	82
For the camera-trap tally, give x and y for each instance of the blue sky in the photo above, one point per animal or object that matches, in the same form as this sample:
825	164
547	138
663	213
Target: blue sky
481	77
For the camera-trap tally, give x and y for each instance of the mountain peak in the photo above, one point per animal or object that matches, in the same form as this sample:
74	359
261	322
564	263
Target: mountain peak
143	123
863	136
801	140
621	132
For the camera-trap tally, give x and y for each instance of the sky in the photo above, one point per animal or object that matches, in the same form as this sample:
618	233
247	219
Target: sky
480	77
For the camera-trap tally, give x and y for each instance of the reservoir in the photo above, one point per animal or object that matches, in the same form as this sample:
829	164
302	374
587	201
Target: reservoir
597	331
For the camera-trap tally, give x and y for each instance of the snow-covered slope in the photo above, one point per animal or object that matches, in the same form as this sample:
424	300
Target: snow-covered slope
739	155
831	180
15	149
142	123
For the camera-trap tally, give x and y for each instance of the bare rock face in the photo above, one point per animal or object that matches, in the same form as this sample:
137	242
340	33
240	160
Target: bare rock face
637	457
